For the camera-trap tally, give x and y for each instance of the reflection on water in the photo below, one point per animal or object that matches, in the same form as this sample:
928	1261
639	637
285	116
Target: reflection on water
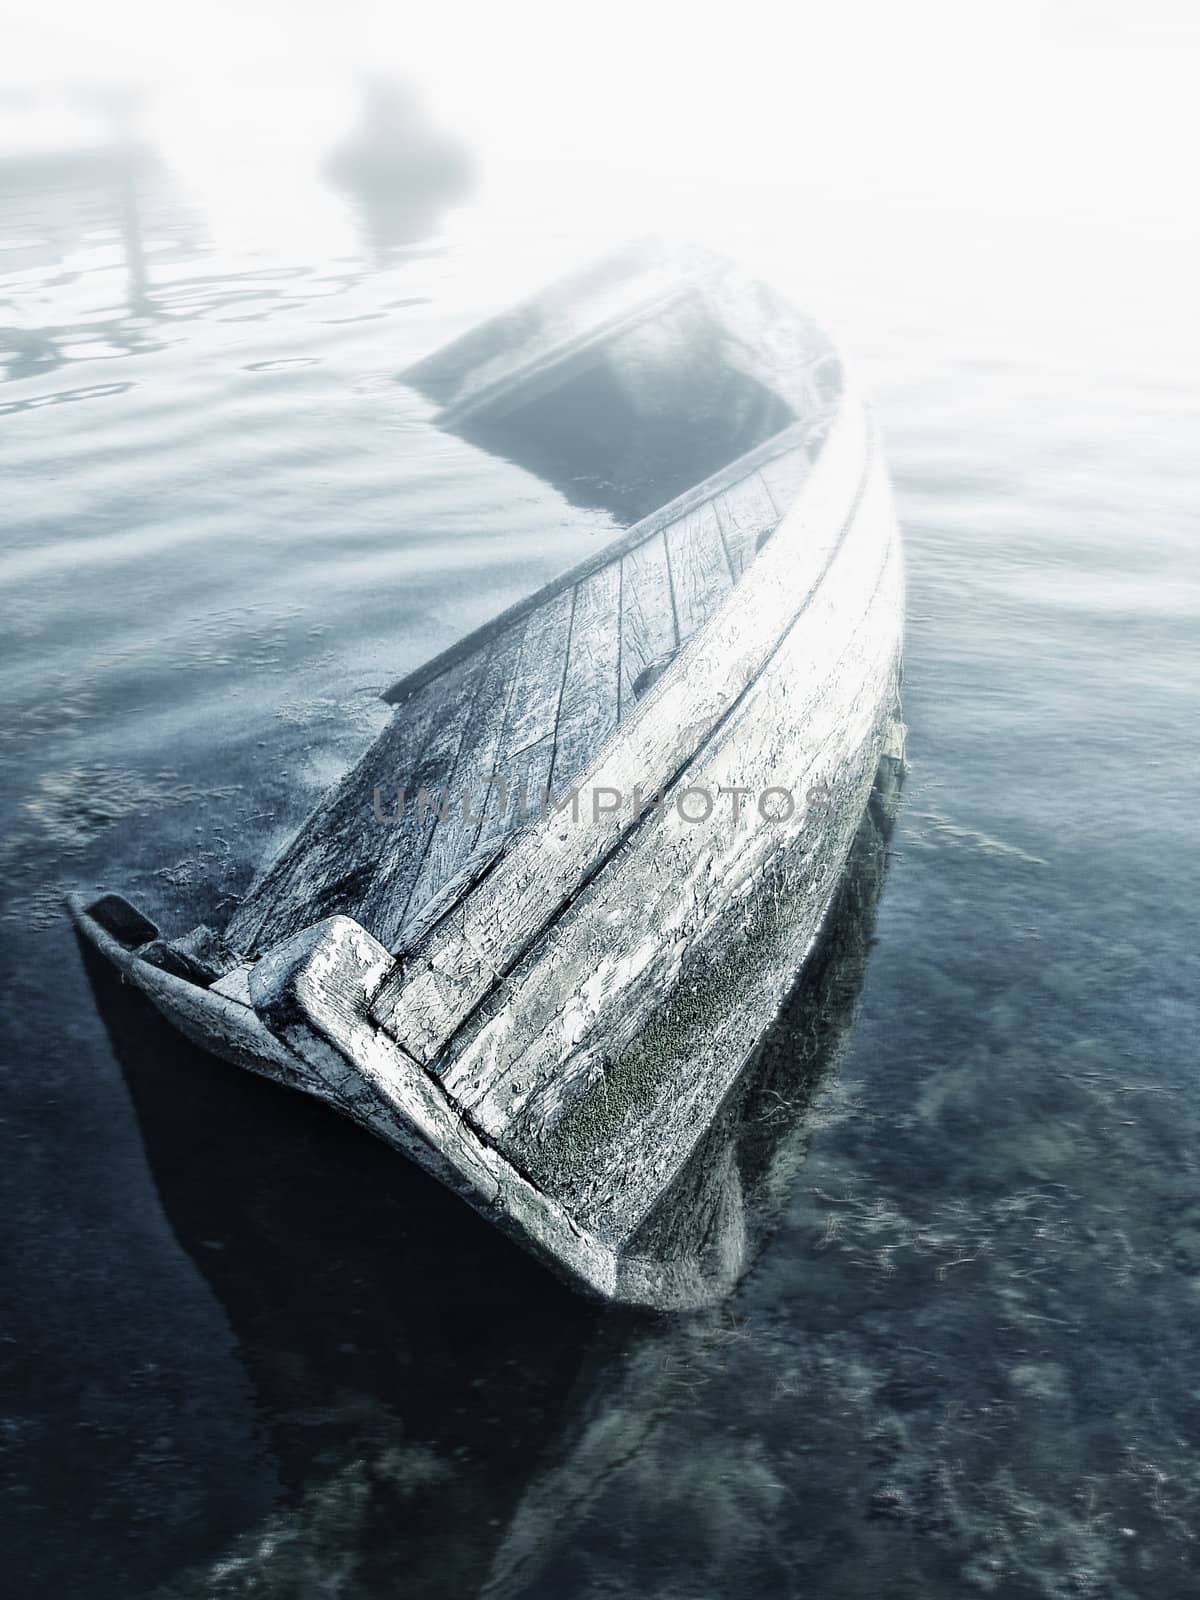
60	207
59	202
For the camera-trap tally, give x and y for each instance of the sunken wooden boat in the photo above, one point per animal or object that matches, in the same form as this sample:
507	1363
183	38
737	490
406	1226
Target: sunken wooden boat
534	937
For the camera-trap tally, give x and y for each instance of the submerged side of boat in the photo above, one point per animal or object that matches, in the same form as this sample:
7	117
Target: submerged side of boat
548	1007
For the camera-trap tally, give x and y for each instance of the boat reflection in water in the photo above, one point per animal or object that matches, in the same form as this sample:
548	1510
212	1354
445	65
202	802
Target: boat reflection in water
437	1403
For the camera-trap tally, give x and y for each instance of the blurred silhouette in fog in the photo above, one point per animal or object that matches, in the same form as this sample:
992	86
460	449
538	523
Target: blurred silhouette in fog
57	193
131	158
397	167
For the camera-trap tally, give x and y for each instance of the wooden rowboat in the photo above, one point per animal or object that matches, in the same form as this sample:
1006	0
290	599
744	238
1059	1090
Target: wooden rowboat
627	802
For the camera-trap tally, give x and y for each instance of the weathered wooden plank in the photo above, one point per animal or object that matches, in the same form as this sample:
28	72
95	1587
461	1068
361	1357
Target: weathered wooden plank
331	862
602	1001
648	631
533	712
587	711
661	1077
385	897
452	969
700	572
526	746
455	835
215	1020
785	475
747	515
512	771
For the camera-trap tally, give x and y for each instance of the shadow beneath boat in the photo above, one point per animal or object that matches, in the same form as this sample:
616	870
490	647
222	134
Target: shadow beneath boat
408	1362
435	1401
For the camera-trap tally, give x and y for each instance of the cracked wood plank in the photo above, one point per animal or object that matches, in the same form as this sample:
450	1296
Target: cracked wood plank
526	746
587	711
700	572
382	906
333	860
648	631
746	515
455	835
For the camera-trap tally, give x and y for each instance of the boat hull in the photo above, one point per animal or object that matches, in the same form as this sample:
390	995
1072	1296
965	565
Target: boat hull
552	1017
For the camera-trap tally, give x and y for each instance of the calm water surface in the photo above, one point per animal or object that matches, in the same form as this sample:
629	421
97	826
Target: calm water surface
249	1353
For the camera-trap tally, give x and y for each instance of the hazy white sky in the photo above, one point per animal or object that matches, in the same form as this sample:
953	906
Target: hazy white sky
1034	103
